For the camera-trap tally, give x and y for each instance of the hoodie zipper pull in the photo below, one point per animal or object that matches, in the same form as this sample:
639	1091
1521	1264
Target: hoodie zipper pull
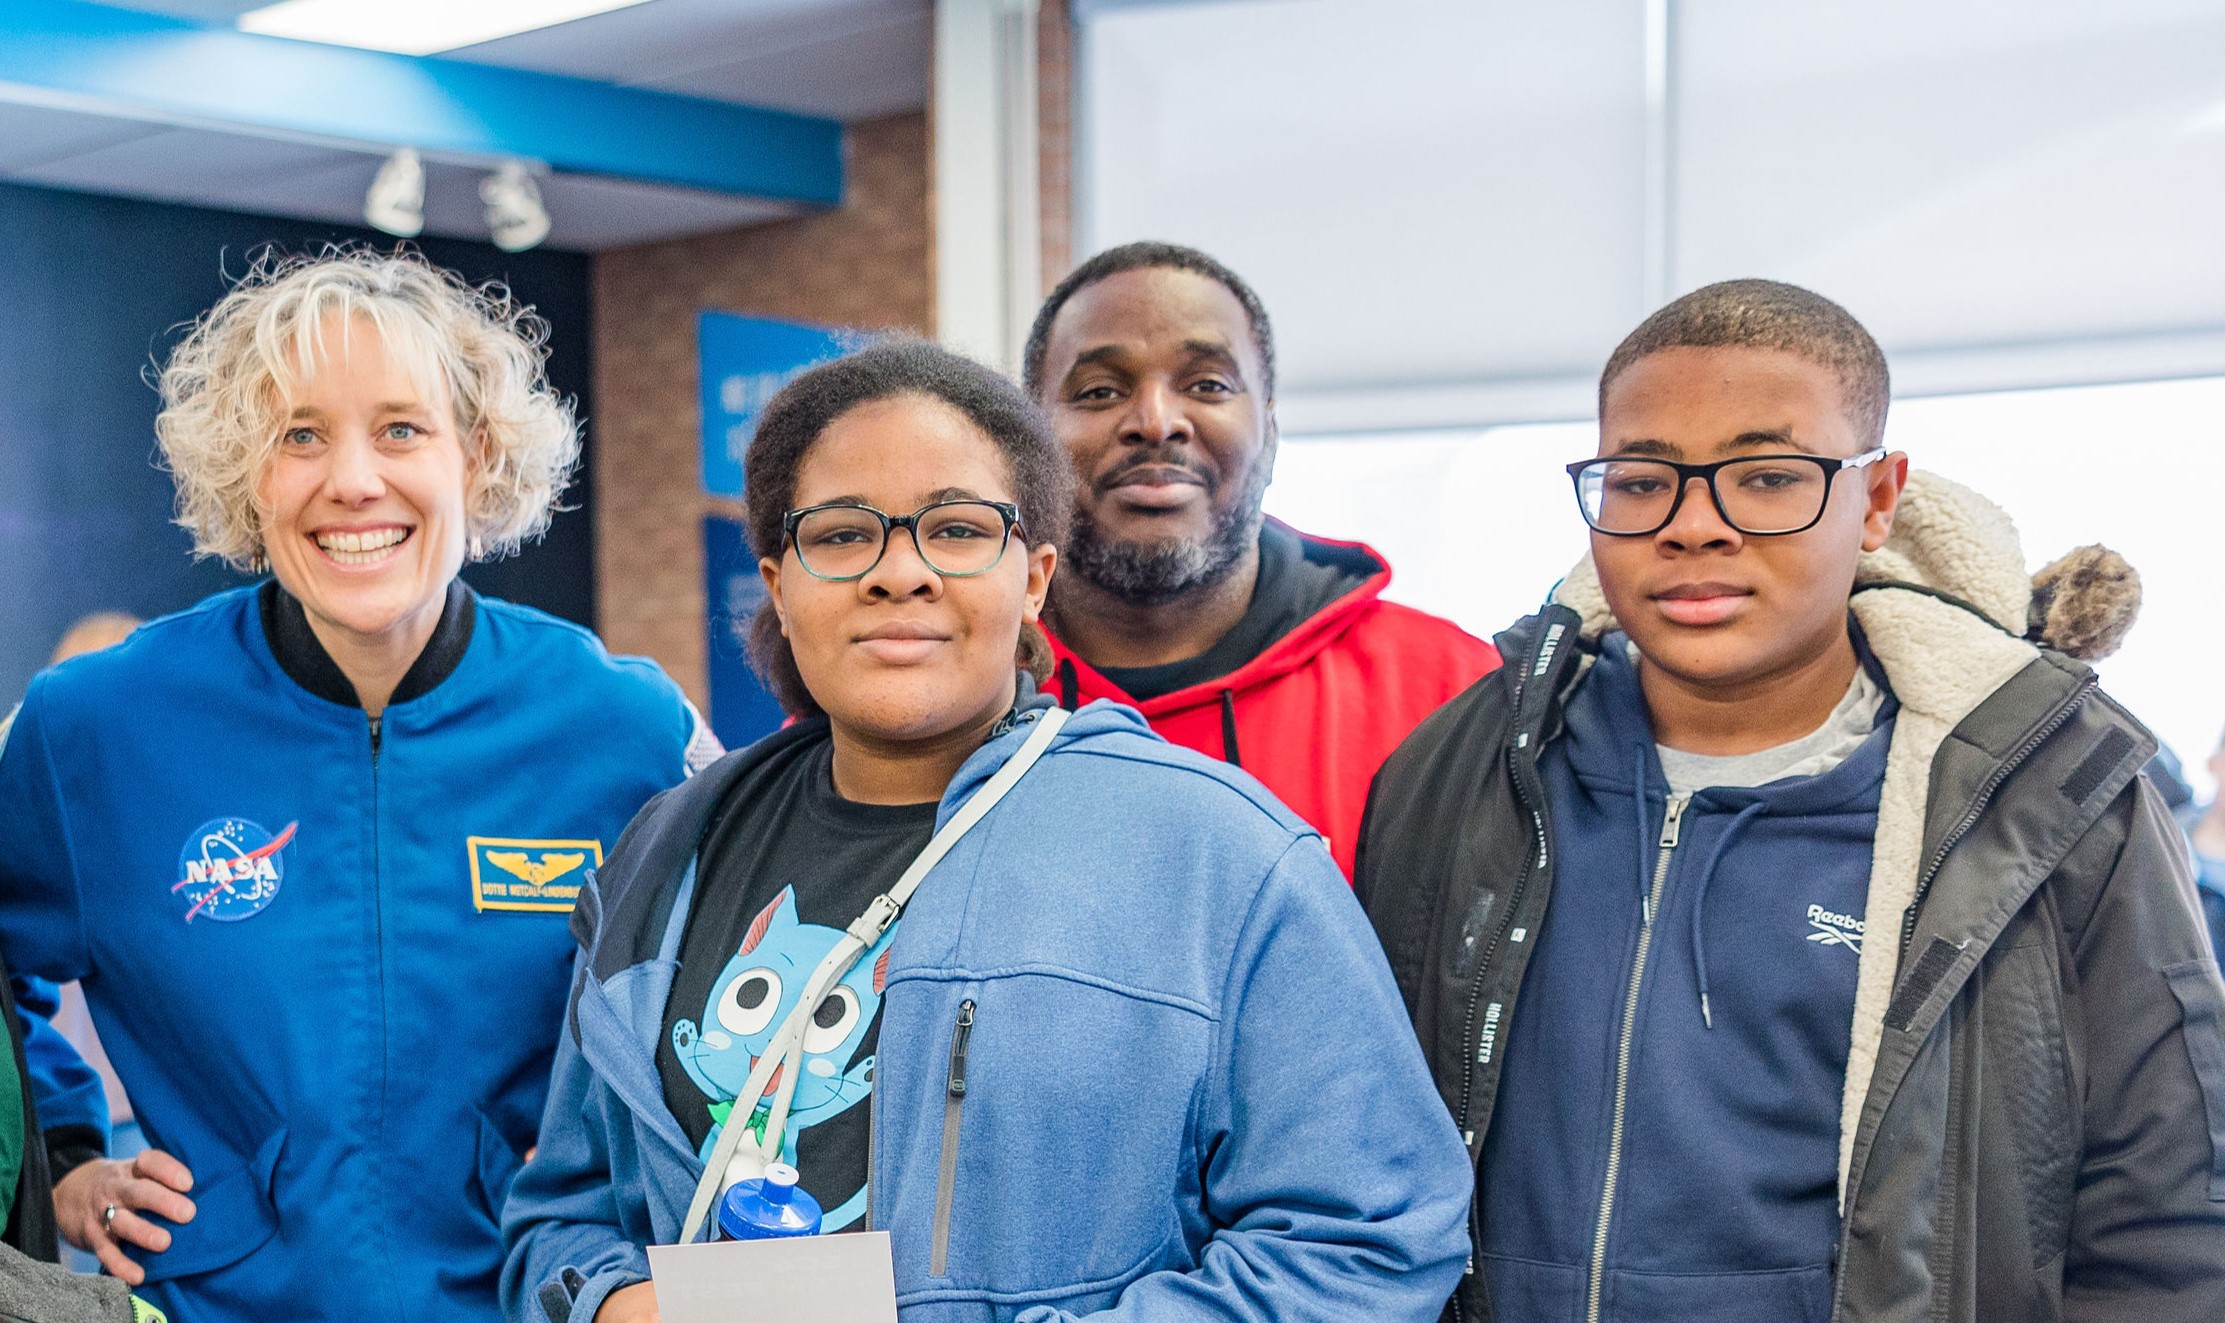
946	1174
1670	827
960	1035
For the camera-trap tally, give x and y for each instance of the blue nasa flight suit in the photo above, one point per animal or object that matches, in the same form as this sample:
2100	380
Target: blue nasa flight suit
329	960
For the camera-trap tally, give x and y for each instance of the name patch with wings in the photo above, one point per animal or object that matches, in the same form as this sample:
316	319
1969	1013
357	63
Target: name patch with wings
512	874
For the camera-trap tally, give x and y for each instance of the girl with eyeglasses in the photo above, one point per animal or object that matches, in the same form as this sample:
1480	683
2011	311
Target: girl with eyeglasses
1088	1023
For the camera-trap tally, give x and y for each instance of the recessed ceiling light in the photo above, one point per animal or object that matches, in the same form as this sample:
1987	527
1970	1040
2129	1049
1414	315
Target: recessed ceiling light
416	27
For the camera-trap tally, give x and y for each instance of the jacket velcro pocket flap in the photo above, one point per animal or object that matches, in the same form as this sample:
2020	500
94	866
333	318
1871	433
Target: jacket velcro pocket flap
2202	1024
234	1214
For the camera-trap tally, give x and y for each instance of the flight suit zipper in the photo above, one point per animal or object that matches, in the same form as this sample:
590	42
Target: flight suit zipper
378	972
1652	908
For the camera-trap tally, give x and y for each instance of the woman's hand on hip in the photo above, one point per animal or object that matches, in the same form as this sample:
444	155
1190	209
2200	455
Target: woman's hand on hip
630	1304
98	1206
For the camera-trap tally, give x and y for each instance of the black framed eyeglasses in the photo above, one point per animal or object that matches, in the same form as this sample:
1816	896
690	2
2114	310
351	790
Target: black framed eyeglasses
842	542
1759	495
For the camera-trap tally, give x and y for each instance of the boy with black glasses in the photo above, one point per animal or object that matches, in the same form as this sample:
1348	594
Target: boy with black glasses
1788	925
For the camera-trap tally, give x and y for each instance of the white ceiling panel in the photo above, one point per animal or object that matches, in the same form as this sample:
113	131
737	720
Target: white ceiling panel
32	136
865	74
592	213
185	165
843	59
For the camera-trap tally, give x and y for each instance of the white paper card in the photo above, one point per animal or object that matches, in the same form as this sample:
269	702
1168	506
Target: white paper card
827	1279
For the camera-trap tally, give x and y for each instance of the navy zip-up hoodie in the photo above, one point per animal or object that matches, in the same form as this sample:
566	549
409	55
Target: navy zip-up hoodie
1724	1164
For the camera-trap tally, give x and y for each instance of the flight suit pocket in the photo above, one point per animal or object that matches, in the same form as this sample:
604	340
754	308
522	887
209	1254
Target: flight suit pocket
235	1212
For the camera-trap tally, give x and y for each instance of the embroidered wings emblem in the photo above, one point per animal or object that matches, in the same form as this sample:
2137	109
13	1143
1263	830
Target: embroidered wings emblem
540	871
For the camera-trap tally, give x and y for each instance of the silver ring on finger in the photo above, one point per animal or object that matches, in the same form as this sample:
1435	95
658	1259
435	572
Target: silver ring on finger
108	1217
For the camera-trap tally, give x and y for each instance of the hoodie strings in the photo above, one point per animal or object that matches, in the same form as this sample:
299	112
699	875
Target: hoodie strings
1646	846
1070	690
1645	829
1699	900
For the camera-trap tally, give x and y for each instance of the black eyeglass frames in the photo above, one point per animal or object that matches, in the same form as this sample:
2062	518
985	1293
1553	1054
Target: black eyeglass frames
841	542
1758	495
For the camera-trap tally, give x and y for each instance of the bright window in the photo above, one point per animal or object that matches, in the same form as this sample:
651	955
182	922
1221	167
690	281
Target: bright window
1479	525
1454	209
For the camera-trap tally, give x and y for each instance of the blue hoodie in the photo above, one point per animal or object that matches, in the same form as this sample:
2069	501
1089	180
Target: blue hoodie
1190	1086
1726	1173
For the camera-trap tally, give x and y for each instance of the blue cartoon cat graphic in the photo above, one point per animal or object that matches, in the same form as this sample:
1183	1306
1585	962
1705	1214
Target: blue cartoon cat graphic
753	995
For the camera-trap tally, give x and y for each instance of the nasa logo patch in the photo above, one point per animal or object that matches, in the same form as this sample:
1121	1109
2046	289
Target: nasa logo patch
230	869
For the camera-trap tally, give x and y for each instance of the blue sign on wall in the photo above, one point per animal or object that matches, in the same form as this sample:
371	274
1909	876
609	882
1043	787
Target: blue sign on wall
745	361
741	709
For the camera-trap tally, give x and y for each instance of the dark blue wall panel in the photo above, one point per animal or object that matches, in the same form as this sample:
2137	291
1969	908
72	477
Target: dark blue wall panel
93	292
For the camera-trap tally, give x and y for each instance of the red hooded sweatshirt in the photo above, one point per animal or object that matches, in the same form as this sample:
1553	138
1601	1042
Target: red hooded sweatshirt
1315	714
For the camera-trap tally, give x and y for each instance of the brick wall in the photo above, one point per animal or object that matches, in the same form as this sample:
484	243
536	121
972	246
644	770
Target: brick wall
1054	74
869	264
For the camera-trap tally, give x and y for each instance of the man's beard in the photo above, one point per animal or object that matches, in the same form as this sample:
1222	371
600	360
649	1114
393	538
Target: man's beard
1155	573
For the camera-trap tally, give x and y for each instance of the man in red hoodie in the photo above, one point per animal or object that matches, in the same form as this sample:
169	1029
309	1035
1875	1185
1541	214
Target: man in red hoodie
1234	634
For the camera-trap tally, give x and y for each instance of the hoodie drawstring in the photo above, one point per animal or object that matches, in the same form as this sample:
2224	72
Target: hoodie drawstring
1070	685
1707	872
1645	834
1699	900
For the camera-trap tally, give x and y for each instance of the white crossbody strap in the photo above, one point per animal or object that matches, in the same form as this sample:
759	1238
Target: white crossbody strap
862	933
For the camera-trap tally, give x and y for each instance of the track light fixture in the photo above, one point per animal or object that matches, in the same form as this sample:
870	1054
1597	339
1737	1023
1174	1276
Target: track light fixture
514	211
396	200
515	216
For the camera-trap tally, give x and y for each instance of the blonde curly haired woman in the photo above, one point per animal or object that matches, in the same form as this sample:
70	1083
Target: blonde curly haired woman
311	843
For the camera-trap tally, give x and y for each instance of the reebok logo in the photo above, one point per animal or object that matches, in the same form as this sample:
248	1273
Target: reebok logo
1830	929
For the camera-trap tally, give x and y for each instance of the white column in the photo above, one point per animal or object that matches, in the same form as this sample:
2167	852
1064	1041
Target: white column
1659	266
988	246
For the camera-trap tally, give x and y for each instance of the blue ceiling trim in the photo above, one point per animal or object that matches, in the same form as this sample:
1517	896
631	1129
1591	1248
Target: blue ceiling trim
136	65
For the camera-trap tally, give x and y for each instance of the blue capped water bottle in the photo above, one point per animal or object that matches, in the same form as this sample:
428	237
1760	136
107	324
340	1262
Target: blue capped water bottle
768	1208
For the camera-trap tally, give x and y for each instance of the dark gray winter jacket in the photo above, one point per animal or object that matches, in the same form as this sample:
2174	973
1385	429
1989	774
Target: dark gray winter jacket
2033	1120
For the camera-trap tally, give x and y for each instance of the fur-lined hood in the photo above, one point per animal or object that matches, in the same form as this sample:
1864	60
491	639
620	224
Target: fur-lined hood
1951	615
